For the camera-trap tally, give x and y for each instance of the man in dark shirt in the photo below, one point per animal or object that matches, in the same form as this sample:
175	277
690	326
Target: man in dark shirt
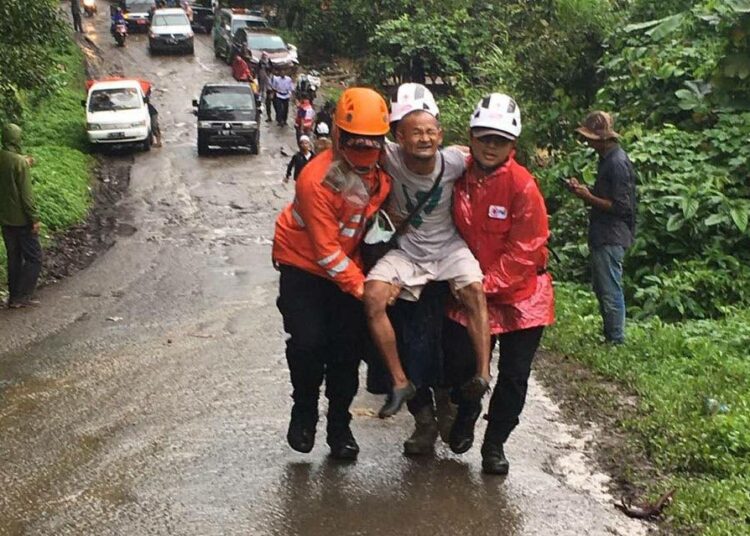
611	219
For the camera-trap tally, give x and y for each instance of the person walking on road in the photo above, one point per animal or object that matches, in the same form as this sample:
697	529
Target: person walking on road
75	11
300	158
321	281
501	214
264	81
430	249
283	88
19	219
611	219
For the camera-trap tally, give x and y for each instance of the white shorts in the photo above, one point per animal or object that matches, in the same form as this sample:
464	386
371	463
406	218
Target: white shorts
459	268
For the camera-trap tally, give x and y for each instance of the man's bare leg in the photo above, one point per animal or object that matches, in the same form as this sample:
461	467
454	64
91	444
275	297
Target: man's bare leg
378	295
474	301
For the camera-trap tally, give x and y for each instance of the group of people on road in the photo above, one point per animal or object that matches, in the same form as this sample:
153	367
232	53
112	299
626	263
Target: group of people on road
421	259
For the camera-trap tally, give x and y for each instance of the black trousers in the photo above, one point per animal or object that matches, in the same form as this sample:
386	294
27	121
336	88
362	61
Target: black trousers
326	330
281	106
24	260
517	350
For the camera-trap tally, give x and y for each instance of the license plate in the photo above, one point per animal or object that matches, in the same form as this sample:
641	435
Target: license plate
226	132
115	135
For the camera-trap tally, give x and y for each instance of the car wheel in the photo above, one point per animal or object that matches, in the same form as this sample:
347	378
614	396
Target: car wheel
228	56
202	145
147	143
191	50
217	52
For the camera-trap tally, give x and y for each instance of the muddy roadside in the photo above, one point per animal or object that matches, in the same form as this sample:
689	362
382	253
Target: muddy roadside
77	247
586	398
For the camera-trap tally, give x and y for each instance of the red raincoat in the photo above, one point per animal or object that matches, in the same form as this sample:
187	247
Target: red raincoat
503	219
240	69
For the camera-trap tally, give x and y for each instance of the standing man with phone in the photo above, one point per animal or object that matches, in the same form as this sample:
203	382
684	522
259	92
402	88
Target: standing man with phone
611	219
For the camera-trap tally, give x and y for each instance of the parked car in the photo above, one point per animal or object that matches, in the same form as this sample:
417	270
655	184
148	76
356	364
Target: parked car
117	114
137	13
227	117
203	16
170	30
226	25
268	41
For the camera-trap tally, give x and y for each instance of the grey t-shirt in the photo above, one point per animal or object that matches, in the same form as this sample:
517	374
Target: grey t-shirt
431	234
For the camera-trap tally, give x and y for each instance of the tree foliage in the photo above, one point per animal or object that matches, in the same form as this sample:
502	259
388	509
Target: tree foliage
30	34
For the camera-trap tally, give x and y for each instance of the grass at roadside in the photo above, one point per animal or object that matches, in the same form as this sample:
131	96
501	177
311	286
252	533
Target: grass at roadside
693	416
54	135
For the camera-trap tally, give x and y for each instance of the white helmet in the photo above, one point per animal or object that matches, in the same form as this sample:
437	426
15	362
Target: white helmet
497	113
411	97
322	129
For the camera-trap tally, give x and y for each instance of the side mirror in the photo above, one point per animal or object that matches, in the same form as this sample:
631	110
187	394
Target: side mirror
195	103
83	103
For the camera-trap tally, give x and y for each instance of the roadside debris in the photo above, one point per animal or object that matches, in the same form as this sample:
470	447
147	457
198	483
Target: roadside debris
646	510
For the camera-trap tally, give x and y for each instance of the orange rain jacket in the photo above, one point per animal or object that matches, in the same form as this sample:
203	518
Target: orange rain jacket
320	230
503	219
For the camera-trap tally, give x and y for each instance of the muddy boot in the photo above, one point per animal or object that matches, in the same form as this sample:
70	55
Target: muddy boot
422	440
461	436
445	413
301	433
494	461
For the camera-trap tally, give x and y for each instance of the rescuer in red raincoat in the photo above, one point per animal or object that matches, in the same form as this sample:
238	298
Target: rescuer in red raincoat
500	213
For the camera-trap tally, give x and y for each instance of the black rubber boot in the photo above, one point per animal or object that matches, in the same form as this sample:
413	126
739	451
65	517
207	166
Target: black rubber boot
342	442
340	438
301	434
422	440
462	433
494	461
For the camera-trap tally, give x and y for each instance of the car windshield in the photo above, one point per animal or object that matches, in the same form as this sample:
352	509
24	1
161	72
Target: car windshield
227	98
172	19
238	23
108	100
265	42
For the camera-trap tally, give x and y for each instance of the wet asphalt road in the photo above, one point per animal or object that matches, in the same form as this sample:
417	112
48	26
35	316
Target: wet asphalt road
149	395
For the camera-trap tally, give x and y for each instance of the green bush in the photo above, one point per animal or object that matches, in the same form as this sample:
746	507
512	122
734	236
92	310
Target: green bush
677	370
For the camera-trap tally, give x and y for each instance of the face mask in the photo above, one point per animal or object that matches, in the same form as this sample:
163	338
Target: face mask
361	160
381	230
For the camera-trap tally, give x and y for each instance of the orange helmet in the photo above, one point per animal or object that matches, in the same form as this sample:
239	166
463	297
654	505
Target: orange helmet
362	111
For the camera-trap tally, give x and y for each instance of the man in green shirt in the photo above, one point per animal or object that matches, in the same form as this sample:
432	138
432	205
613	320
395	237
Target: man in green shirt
19	220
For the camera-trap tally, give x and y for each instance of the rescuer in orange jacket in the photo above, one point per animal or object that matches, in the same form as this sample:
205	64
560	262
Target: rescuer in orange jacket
321	282
500	213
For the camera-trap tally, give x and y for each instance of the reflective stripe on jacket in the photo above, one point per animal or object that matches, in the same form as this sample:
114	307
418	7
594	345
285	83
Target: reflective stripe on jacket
319	232
503	219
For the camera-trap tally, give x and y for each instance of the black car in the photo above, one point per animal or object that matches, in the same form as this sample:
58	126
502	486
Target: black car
203	16
227	117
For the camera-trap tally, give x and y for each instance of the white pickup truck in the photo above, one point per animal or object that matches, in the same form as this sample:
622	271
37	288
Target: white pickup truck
117	114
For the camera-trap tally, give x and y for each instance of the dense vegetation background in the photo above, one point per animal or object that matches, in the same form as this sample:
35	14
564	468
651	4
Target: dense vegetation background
676	74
